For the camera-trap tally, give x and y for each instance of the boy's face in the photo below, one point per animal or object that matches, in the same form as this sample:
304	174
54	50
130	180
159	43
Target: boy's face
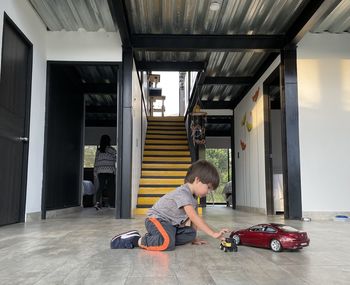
201	189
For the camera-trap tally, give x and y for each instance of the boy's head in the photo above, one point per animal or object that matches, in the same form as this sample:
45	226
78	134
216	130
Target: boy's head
205	172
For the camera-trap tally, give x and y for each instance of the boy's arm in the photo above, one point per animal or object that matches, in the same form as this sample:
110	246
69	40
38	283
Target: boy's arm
201	224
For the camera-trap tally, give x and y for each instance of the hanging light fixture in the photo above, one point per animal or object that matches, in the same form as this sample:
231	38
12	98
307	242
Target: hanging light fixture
215	5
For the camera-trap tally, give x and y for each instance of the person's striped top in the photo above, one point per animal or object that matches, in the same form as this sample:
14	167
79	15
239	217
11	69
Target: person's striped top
105	161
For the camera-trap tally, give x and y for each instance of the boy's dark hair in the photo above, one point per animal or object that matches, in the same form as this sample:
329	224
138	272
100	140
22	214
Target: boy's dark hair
205	171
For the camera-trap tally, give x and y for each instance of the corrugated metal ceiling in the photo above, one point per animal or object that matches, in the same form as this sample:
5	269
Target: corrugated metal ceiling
196	17
74	15
191	17
338	21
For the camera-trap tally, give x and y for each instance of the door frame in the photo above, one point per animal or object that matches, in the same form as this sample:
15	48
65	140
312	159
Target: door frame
48	81
24	171
268	143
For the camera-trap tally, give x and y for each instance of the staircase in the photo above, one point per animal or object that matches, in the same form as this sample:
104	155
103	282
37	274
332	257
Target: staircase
166	159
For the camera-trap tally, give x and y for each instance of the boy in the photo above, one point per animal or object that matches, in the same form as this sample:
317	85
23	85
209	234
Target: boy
166	220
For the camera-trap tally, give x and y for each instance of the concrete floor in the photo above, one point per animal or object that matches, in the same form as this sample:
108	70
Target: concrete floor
74	249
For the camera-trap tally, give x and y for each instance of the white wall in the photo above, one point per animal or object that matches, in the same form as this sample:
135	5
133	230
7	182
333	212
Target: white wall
84	46
28	22
93	135
136	137
250	163
324	116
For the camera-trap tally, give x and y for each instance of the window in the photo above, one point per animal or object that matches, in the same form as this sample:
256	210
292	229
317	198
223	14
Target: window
89	156
221	159
270	230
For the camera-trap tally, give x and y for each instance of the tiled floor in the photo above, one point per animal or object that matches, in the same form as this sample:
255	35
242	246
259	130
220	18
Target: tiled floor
74	249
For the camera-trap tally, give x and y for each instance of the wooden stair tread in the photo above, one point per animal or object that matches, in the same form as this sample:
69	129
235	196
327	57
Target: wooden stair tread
155	190
166	123
167	137
166	132
165	166
147	200
175	128
167	152
167	159
168	147
161	173
167	119
171	142
161	181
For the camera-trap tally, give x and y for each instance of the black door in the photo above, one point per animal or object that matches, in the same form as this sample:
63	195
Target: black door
14	121
64	129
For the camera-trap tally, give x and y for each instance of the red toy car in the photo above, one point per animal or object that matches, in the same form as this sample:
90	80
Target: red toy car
274	236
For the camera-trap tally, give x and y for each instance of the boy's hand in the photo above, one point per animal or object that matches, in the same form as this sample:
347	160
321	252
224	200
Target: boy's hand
198	241
220	234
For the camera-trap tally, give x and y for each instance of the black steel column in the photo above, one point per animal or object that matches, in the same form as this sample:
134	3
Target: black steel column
125	136
290	134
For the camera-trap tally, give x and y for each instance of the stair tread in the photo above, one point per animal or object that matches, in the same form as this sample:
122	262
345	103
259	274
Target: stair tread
163	173
167	159
167	147
167	118
170	142
167	152
165	166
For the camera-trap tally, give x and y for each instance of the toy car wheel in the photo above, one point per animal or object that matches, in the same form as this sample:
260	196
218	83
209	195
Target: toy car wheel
275	245
237	239
225	249
221	247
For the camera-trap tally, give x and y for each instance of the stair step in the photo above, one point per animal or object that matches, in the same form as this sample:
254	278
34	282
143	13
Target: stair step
140	211
173	142
167	159
168	147
175	128
165	123
155	190
163	166
166	153
161	181
166	132
160	173
167	119
147	200
166	137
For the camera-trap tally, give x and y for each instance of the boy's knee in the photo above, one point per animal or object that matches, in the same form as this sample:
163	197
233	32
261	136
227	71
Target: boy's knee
171	245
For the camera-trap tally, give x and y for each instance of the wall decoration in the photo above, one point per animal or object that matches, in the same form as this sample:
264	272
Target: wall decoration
249	123
243	145
255	96
244	118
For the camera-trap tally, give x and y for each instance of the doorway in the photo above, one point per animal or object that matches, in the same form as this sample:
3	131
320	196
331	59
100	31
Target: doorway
79	94
15	95
273	145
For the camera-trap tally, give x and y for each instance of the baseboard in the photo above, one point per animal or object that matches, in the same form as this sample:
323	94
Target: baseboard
60	212
324	215
33	217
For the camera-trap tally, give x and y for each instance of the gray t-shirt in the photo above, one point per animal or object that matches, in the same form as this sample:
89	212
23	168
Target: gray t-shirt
170	206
